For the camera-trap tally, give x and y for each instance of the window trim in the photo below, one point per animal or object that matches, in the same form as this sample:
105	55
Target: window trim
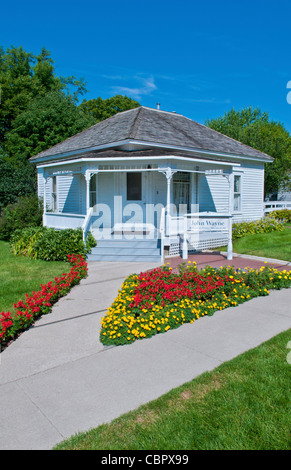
239	193
140	188
178	179
93	192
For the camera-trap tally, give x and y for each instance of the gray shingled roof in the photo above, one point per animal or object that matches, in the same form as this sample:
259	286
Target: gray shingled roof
151	126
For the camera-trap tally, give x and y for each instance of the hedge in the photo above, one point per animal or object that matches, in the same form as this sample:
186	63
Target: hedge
49	244
284	215
265	225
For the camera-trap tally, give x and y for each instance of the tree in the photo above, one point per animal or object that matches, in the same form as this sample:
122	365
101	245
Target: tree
48	120
254	128
23	77
38	110
32	100
101	109
15	182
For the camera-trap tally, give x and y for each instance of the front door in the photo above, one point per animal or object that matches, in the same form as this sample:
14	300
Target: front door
134	204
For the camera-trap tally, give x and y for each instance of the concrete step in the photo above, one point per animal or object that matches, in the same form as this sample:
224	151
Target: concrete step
117	250
132	244
126	250
124	258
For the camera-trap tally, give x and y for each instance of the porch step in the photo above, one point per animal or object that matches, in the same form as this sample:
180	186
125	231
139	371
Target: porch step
126	250
124	258
125	243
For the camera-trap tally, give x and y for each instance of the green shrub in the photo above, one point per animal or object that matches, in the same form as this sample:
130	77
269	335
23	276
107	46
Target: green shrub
26	212
49	244
265	225
283	215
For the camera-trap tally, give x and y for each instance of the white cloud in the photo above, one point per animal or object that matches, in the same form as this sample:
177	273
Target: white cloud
147	86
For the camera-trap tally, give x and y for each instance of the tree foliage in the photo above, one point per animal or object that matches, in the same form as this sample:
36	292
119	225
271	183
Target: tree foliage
101	109
48	120
27	211
25	76
15	182
39	109
253	127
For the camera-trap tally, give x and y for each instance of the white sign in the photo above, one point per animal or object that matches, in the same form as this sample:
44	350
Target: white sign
207	224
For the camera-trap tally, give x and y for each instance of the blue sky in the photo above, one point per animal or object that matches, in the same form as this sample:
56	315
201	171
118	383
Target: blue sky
197	58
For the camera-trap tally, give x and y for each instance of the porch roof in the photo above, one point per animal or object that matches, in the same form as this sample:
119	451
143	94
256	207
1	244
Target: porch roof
150	128
113	155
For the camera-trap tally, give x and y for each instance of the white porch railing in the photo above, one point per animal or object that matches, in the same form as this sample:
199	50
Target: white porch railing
62	220
86	222
271	206
202	230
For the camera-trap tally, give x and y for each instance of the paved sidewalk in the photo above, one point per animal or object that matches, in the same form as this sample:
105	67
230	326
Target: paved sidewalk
57	379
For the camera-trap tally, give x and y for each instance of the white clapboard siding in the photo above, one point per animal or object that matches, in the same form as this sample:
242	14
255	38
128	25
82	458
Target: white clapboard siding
69	195
252	192
48	193
40	184
214	192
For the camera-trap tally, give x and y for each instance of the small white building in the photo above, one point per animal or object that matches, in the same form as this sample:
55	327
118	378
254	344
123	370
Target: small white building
145	181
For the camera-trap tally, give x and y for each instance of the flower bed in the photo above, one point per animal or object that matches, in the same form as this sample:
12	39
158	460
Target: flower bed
40	302
159	300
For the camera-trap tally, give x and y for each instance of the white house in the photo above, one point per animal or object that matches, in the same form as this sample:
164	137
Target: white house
145	181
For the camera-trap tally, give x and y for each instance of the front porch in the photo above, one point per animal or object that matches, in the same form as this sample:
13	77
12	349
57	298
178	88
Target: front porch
126	207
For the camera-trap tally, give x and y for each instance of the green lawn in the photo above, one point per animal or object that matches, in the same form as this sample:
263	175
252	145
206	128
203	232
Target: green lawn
243	404
20	275
275	245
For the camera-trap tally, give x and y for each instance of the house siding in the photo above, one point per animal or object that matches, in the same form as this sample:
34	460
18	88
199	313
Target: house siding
214	192
69	194
40	184
252	193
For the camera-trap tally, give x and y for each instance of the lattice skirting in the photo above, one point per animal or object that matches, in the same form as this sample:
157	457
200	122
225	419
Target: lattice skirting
207	244
175	249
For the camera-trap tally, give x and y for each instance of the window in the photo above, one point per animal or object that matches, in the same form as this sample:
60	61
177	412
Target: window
54	194
181	191
237	193
134	186
93	195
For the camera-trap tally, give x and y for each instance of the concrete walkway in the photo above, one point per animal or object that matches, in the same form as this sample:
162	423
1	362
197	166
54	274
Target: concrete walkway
57	379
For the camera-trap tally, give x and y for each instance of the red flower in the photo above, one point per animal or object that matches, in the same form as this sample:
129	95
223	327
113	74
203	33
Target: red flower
41	301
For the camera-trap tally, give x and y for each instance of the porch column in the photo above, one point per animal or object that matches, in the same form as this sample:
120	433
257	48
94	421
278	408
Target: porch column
168	173
88	175
87	178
